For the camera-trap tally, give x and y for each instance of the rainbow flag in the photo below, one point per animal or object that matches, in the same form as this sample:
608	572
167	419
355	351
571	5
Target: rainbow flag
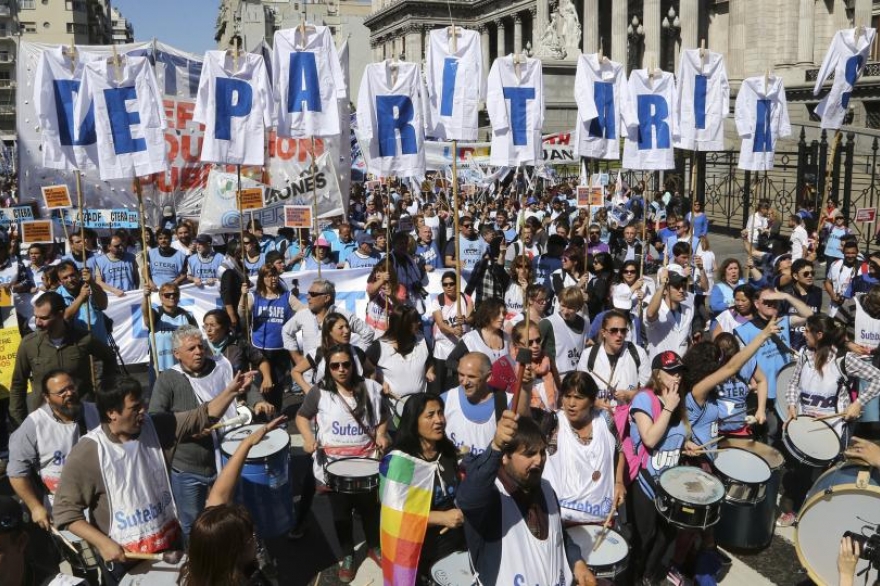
405	488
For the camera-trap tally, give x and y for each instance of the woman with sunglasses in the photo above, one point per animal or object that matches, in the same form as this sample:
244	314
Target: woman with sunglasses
729	277
448	329
253	258
270	306
166	318
309	370
351	422
540	378
630	286
803	289
742	311
401	355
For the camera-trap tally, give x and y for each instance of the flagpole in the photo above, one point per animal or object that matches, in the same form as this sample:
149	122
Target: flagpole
456	230
315	198
82	235
146	271
247	326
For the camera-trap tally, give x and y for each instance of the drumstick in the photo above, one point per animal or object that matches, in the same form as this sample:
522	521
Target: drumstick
714	451
710	442
63	539
605	528
830	416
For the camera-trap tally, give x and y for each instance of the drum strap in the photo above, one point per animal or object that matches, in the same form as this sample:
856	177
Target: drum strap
367	430
649	479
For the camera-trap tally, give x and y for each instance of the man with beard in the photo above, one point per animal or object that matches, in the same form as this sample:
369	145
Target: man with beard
116	271
85	302
802	289
512	519
167	264
197	378
55	344
39	447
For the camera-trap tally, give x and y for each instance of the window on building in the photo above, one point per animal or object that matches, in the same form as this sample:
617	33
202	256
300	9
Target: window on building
28	27
872	114
77	29
875	49
78	5
27	4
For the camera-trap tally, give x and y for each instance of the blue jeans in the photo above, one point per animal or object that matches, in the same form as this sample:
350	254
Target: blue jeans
190	492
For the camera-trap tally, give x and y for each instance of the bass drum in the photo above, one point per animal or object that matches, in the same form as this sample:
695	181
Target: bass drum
845	498
783	378
751	526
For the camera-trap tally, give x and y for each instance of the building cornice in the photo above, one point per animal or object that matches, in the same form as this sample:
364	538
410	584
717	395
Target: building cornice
470	14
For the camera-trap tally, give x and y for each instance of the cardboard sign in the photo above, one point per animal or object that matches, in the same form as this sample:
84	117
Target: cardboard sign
251	198
298	216
589	196
37	232
56	196
866	214
9	341
373	185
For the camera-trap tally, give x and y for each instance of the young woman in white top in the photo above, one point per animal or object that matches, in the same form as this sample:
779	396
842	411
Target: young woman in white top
401	355
521	274
448	328
486	337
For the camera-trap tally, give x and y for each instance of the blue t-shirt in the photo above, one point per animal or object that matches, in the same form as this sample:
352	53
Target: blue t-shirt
99	329
254	267
832	243
120	273
164	269
201	268
769	357
732	395
666	453
704	420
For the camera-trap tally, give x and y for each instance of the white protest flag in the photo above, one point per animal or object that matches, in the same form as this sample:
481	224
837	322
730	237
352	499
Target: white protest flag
455	85
649	145
702	100
219	211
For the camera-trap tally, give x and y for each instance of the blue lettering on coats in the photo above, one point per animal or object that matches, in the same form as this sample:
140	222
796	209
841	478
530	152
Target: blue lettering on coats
701	89
349	429
519	97
121	120
395	114
69	135
171	63
853	68
763	142
152	511
303	83
234	98
653	113
605	124
450	70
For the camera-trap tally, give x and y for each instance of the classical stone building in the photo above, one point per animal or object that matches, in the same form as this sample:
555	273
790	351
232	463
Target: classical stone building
786	37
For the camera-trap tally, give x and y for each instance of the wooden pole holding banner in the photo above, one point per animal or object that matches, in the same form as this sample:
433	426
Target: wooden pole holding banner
82	235
456	230
691	230
315	198
146	272
247	325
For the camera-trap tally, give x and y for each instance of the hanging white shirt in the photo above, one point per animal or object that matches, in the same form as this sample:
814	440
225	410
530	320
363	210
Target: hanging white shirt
306	105
66	143
846	59
702	100
391	119
516	110
761	119
604	107
235	107
649	145
129	117
455	84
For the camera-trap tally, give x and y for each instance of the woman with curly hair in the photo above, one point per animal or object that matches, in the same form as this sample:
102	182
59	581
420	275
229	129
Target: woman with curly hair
487	335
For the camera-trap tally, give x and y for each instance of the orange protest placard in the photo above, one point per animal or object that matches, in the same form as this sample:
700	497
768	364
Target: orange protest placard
297	216
251	198
56	196
37	232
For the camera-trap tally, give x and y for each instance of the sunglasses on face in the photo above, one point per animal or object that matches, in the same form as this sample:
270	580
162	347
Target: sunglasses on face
467	225
170	295
807	274
340	365
452	284
314	293
677	285
618	331
629	272
533	341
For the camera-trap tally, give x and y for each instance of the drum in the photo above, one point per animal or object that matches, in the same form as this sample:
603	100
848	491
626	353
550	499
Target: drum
811	442
744	475
845	498
689	497
453	570
610	559
264	487
153	574
352	475
747	526
85	561
783	377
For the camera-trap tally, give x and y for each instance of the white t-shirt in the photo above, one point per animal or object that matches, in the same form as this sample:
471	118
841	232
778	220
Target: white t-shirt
672	329
799	241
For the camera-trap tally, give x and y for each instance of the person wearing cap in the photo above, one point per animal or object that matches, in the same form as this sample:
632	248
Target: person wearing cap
205	266
169	219
533	209
320	256
365	255
670	312
116	271
21	565
835	232
252	258
167	265
39	447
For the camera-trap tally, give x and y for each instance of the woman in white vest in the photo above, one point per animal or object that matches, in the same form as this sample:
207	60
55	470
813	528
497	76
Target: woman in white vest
867	335
742	310
401	355
584	464
351	424
311	369
487	335
521	274
448	328
820	386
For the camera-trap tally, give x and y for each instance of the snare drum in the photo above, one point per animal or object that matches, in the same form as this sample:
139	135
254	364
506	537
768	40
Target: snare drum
153	574
352	475
689	497
85	561
783	378
844	498
264	487
453	570
612	557
811	442
744	475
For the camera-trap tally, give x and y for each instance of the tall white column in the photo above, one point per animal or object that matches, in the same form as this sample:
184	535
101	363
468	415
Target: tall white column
484	47
540	23
690	23
499	42
652	33
737	40
590	26
414	44
517	34
619	22
862	13
806	22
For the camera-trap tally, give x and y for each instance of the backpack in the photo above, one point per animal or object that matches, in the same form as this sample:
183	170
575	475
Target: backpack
636	456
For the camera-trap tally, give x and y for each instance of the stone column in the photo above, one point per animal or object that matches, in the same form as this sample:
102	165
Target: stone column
517	34
540	20
590	26
484	47
805	31
619	22
499	42
414	44
862	13
690	23
651	17
737	40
